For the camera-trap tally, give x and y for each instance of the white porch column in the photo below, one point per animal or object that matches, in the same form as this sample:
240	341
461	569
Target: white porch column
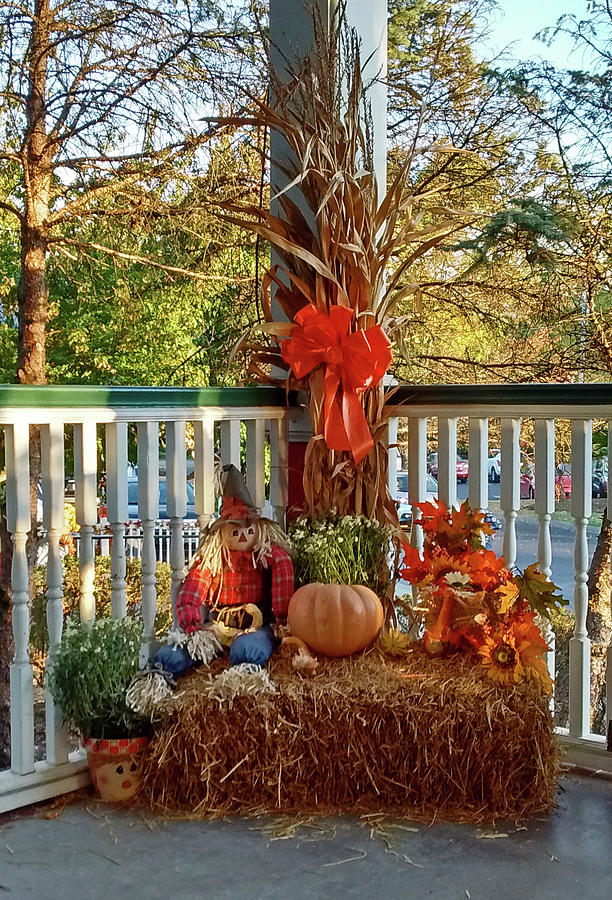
291	37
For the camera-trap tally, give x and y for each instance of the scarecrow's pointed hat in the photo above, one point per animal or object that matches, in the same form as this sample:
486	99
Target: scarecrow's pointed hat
237	504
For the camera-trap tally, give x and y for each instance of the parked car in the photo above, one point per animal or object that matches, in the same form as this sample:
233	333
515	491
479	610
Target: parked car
494	465
563	481
462	467
405	517
163	514
404	509
527	485
600	478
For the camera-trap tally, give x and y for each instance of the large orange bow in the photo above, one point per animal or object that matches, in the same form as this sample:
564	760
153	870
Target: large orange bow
353	362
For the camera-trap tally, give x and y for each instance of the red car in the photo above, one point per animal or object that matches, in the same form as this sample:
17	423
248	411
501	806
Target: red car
462	467
527	486
462	470
563	482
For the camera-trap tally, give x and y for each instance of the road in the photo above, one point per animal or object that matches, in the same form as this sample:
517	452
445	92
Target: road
563	536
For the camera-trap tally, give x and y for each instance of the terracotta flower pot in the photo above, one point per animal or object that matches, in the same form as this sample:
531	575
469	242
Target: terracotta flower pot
114	764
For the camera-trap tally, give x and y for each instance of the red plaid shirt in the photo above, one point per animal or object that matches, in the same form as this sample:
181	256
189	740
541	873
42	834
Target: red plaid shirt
243	584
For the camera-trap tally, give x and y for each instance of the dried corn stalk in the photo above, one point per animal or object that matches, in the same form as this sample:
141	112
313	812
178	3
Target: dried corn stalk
342	251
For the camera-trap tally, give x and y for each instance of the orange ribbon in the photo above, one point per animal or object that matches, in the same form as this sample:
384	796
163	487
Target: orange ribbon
353	363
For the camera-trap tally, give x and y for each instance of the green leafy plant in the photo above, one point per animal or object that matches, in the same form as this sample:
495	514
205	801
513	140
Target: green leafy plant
91	673
39	638
342	550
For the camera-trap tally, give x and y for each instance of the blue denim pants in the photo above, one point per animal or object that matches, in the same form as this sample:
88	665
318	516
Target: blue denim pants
255	647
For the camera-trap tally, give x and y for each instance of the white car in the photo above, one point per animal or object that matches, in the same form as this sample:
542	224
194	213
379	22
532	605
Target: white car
404	509
494	466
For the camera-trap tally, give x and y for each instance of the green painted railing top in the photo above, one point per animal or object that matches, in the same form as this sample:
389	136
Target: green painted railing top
504	394
75	395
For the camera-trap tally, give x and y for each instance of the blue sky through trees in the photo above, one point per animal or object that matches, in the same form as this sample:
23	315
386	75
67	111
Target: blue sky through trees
515	23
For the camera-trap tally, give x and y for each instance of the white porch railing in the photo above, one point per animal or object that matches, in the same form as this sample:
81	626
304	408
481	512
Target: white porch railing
211	417
537	407
89	416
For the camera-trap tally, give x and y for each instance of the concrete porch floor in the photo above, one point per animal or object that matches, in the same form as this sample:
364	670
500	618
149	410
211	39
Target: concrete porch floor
93	851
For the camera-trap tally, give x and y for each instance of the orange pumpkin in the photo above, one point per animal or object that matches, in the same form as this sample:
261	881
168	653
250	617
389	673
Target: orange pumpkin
335	619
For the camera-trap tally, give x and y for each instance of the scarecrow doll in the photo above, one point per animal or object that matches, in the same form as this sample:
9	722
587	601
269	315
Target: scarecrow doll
238	586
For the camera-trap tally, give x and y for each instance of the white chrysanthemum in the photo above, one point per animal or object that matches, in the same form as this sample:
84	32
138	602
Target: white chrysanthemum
454	578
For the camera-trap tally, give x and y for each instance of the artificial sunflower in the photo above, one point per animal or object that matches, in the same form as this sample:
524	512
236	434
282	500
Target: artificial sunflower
502	659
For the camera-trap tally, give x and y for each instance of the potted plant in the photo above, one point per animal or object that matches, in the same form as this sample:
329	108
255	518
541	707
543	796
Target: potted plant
91	672
342	570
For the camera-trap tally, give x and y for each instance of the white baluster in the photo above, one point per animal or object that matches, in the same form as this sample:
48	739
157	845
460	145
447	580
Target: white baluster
417	473
545	506
391	444
117	505
148	511
609	653
18	521
85	469
176	503
204	436
478	456
580	645
447	461
510	486
230	442
279	468
255	456
52	447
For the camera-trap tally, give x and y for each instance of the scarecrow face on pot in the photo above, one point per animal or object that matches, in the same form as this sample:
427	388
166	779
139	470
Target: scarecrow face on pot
241	535
118	780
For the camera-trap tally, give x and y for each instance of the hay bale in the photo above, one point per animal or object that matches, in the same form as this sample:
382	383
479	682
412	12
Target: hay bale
411	736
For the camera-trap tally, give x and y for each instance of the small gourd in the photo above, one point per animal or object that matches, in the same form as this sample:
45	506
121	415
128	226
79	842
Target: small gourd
335	619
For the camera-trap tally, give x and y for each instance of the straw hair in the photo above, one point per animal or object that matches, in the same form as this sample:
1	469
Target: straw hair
214	554
410	735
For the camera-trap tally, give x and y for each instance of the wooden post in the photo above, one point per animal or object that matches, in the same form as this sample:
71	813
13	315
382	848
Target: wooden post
85	470
478	455
18	520
52	447
580	645
510	486
447	460
148	512
117	507
545	506
176	503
